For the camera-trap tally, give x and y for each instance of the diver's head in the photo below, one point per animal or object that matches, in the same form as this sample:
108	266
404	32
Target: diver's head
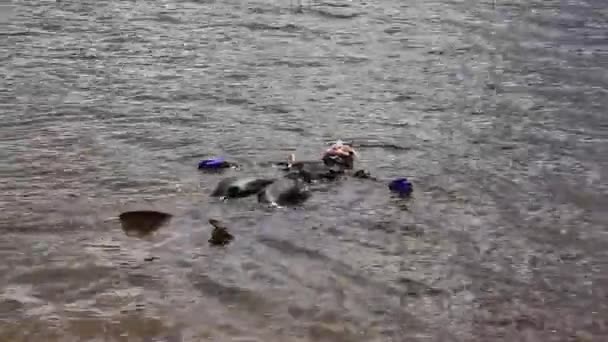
340	154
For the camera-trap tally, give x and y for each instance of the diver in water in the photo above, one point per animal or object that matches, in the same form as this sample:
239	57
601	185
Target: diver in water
338	160
340	154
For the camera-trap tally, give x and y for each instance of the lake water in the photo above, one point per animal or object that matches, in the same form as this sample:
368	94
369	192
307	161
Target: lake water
495	110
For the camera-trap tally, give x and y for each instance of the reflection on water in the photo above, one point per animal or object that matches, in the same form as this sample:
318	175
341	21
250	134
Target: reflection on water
494	110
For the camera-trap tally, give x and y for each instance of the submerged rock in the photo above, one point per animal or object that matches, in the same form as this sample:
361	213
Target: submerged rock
220	235
143	222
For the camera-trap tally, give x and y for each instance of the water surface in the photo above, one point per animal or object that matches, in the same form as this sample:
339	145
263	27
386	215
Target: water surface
494	109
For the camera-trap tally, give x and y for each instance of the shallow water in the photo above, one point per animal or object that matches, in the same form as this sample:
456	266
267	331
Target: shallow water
494	109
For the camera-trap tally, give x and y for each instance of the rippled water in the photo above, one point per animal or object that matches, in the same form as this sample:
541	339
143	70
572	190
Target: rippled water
496	110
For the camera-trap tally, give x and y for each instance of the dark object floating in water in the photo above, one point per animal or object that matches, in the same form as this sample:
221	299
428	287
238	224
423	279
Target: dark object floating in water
285	191
220	235
215	164
236	187
313	170
362	174
142	222
401	186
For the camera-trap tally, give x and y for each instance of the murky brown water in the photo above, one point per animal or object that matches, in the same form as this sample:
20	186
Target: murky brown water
495	109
